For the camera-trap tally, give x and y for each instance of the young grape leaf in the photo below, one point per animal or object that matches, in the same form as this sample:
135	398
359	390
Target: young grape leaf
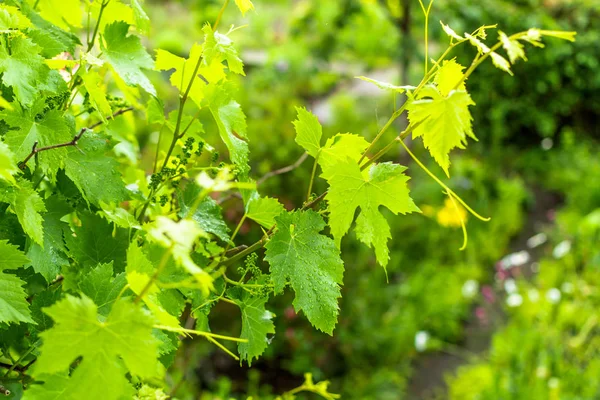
256	325
12	18
308	131
127	56
341	147
179	238
450	77
94	243
386	86
350	188
444	122
53	128
219	47
10	256
263	210
142	22
208	215
50	258
102	287
93	172
27	204
78	331
311	262
244	5
501	62
513	48
13	302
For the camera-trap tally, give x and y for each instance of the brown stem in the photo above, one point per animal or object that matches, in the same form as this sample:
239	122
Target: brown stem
72	142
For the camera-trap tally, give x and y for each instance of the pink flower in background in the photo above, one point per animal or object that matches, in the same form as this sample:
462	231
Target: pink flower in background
488	294
481	315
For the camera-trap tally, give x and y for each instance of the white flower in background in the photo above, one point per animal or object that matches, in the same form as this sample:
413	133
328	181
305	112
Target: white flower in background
470	289
510	286
567	287
562	249
533	295
515	259
547	144
514	300
537	240
553	295
421	339
553	383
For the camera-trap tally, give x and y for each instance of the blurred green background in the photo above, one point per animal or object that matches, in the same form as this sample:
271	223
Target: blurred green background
515	315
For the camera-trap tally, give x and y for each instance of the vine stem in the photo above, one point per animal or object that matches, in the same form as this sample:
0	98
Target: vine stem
93	39
159	269
426	12
449	191
73	142
221	12
312	176
16	363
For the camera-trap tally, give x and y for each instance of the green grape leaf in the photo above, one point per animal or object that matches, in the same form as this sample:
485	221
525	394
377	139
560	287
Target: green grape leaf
127	56
126	334
8	166
308	131
219	47
50	258
96	242
10	256
52	389
257	323
231	122
52	39
513	48
49	130
102	287
340	147
13	302
24	70
41	301
27	204
64	13
94	173
380	185
311	262
263	210
244	5
208	215
93	84
445	122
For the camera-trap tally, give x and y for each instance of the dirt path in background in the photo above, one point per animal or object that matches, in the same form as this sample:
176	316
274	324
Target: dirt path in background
430	370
